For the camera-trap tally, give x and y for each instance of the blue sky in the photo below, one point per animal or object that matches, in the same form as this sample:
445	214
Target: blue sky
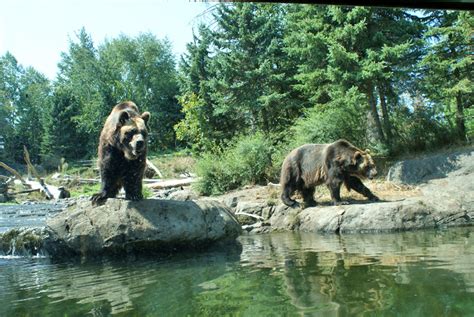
37	31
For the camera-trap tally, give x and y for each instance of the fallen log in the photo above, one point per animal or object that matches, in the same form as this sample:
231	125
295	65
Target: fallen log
155	169
51	192
170	183
24	192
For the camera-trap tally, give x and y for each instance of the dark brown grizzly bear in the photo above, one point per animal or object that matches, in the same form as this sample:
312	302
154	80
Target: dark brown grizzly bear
122	153
332	164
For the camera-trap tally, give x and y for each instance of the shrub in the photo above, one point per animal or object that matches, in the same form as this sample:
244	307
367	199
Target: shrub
420	130
246	161
343	117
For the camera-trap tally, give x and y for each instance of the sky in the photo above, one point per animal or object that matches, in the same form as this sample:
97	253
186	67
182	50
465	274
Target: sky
37	31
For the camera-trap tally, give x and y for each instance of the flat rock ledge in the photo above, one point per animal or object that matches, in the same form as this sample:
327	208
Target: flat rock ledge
444	202
121	227
409	214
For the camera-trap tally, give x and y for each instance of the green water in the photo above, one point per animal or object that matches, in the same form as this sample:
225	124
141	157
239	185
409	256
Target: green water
404	274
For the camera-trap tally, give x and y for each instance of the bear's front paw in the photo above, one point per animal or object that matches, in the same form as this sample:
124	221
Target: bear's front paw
308	204
135	197
374	198
294	204
338	203
99	199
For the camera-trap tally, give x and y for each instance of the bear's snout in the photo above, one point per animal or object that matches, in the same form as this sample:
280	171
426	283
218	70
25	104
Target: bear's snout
140	145
372	173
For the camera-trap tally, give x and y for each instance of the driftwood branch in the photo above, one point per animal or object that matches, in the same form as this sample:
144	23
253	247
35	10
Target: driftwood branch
12	171
154	168
25	191
32	169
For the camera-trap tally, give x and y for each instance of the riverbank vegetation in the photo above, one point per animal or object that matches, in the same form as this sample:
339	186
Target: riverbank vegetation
257	80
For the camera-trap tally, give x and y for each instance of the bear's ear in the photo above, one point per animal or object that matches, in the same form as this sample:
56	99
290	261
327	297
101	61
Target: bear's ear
357	158
124	117
146	116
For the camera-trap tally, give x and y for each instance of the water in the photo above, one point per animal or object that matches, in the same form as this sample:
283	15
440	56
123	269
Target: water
31	216
428	273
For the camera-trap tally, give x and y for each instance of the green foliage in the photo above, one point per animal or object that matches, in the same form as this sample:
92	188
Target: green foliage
393	80
24	94
417	130
190	128
147	192
343	117
62	134
142	69
448	65
240	75
246	161
85	190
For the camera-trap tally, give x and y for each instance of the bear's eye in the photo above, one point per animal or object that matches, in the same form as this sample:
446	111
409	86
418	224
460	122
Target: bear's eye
130	133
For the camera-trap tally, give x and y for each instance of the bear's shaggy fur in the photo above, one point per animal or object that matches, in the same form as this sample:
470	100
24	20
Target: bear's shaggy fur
332	164
122	153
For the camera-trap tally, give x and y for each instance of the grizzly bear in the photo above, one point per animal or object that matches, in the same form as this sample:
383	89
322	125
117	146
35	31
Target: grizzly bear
122	153
332	164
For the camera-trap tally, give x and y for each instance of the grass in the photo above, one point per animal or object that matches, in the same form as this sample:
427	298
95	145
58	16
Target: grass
174	164
84	190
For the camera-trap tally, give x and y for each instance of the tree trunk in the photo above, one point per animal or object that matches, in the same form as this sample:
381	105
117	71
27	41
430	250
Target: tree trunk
375	132
461	128
386	119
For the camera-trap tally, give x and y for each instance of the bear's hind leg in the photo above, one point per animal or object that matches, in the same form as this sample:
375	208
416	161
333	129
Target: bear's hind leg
286	194
308	197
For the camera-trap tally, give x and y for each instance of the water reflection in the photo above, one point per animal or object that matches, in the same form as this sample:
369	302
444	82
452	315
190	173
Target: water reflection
416	273
355	274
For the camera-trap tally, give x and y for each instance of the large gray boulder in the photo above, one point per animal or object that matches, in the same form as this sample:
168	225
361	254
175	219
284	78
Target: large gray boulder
420	170
120	227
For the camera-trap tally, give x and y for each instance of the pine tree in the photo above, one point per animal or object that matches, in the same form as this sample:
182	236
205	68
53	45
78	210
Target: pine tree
251	73
448	66
367	51
62	137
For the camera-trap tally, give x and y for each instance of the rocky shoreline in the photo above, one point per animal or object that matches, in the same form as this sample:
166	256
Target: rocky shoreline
443	197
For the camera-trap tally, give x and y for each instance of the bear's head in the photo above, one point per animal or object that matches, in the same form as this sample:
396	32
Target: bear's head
364	165
132	133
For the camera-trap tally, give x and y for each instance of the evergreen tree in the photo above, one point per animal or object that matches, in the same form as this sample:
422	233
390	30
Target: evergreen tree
9	95
201	126
367	51
62	137
448	66
33	103
80	75
24	94
142	69
251	75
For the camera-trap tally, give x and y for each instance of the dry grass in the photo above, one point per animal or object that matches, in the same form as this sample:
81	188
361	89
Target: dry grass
173	166
386	191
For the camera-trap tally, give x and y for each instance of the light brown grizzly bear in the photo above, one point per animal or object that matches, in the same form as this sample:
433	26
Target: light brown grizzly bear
122	153
331	164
